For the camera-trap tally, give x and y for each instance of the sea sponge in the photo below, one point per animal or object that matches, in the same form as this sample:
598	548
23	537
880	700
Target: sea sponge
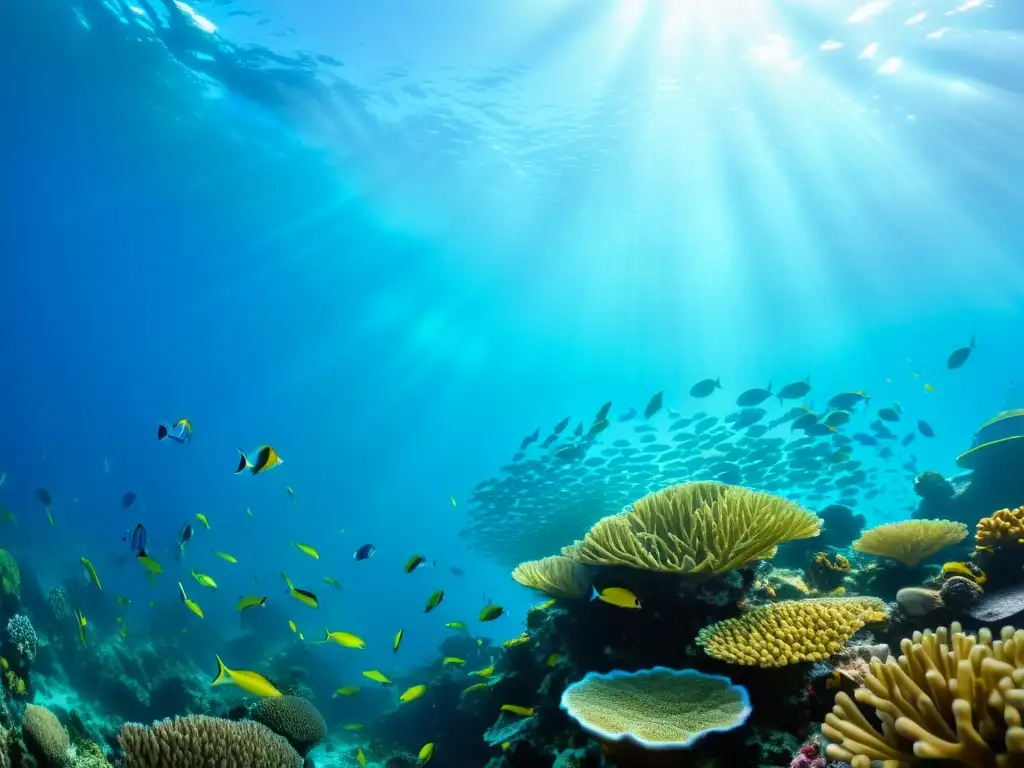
45	737
919	601
950	696
910	541
960	593
292	717
557	576
1004	528
695	528
656	708
790	632
10	574
197	741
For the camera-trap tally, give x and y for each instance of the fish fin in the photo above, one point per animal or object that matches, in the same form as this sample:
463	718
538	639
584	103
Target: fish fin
222	677
972	341
243	462
161	431
718	383
594	594
769	387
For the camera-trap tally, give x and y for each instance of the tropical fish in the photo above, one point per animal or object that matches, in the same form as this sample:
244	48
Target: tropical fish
44	497
553	659
456	625
128	499
628	415
248	511
925	428
485	672
929	388
754	397
426	753
204	580
344	639
377	676
332	582
81	625
179	432
250	682
148	562
292	627
202	519
122	600
303	596
452	660
794	391
560	426
475	688
92	573
260	460
617	596
517	710
654	405
398	640
542	606
348	690
365	552
360	757
290	491
192	605
959	356
250	601
184	537
225	556
137	536
491	612
434	600
848	400
515	642
888	414
308	550
414	562
705	387
452	500
412	694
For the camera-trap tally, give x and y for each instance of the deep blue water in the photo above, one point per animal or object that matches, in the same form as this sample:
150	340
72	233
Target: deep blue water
391	239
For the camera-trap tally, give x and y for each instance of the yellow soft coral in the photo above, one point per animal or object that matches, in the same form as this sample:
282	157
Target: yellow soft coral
910	541
950	696
1004	528
695	528
790	632
557	576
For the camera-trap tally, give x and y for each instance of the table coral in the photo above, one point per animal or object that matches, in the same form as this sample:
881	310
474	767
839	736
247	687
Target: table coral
910	541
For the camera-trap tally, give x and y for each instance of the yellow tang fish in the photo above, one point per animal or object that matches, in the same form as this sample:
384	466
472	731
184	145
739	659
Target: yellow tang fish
398	640
260	460
412	694
348	690
352	727
517	710
251	682
453	660
617	596
377	676
306	549
192	605
426	753
225	556
360	758
203	579
92	573
344	639
292	625
202	519
250	601
81	625
475	688
543	606
332	582
485	672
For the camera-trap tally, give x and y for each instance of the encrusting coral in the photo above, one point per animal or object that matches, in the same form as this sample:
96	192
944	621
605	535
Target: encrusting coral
557	576
1004	528
657	708
702	527
950	696
910	541
198	740
790	632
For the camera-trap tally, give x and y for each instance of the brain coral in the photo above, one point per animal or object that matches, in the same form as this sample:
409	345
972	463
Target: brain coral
790	632
45	737
557	576
910	541
292	717
695	528
198	741
950	696
656	708
1003	528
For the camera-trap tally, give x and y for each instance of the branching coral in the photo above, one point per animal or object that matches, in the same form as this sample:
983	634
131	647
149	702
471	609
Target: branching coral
950	696
22	636
790	632
197	741
1004	528
910	541
695	528
557	576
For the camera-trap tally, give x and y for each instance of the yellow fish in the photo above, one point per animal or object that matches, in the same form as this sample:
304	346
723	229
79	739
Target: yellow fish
202	519
122	600
225	556
398	640
505	745
426	753
292	625
412	694
149	563
485	672
260	460
332	582
543	606
250	601
192	605
929	388
204	580
306	549
81	625
617	596
553	659
475	688
302	595
348	690
124	627
517	710
456	625
377	676
92	573
360	758
453	660
352	727
344	639
250	682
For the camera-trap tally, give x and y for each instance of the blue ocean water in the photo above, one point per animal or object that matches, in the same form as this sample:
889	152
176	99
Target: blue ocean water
390	239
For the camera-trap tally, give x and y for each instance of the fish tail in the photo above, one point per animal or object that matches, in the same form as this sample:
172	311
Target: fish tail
161	431
972	341
718	383
243	461
222	677
769	387
594	594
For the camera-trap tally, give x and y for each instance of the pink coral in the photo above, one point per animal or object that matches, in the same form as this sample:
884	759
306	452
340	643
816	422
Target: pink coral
808	757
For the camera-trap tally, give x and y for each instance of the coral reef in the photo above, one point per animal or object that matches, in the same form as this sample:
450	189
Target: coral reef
557	576
197	740
293	718
22	637
45	737
910	541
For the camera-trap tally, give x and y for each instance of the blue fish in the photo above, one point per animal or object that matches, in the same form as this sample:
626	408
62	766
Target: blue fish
365	552
129	498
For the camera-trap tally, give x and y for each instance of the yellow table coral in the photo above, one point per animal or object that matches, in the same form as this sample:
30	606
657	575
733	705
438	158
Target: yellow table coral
1004	528
790	632
950	696
695	528
557	576
910	541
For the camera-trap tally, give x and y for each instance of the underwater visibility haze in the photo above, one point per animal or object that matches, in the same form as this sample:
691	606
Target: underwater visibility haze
549	383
